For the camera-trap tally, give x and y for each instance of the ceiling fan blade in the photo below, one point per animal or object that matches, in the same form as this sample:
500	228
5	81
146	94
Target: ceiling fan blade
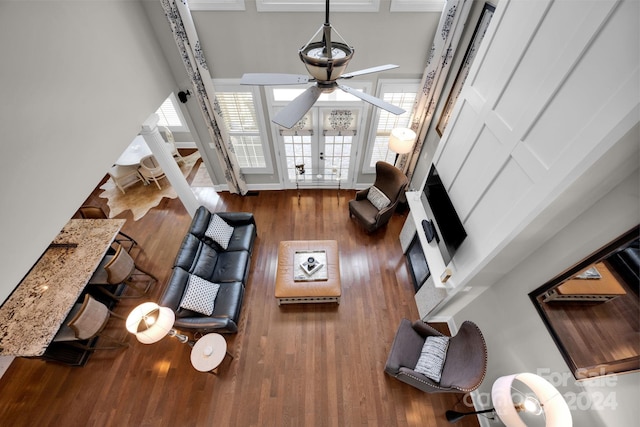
369	71
265	79
372	100
296	109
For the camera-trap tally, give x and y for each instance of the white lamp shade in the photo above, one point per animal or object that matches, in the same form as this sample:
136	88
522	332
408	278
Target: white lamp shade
150	323
556	411
401	140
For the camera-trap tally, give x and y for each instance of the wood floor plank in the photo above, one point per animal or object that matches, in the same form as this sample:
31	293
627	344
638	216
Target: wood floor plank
294	365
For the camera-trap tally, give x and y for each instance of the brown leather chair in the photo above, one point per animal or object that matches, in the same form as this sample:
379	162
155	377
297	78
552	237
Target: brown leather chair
392	182
464	367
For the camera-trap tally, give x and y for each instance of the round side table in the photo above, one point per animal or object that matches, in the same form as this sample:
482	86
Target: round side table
208	352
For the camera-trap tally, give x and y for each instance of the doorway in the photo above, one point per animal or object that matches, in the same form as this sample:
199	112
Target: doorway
321	150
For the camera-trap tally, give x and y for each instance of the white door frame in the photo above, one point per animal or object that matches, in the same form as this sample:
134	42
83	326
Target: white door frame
321	105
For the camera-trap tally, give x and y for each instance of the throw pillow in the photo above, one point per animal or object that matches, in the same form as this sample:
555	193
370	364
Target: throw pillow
200	295
219	231
432	357
377	198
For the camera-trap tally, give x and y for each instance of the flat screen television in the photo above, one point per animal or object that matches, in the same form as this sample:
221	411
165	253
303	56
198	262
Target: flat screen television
449	229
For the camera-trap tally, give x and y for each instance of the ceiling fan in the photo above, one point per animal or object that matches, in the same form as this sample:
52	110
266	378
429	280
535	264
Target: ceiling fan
326	61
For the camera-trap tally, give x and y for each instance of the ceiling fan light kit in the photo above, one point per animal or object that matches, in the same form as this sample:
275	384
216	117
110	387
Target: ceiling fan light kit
326	62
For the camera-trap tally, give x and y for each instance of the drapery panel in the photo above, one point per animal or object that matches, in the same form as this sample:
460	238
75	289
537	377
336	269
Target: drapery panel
186	38
444	46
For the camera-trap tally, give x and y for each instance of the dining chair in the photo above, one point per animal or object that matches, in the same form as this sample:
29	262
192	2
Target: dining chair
87	320
120	269
95	212
168	135
124	176
150	170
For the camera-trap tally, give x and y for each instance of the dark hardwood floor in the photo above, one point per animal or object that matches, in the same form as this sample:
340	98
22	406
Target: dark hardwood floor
297	365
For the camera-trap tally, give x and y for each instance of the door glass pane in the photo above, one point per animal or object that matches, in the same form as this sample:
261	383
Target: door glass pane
297	150
337	149
323	142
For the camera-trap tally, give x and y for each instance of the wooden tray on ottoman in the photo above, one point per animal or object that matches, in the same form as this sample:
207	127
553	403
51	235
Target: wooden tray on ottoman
291	291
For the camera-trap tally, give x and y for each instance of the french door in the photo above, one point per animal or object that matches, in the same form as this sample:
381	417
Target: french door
320	150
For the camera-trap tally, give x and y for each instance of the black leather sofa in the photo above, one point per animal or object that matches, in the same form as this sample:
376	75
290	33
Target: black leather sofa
203	257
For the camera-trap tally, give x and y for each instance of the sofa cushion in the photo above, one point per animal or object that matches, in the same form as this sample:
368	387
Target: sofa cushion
189	251
231	267
366	213
206	263
378	198
242	238
229	301
226	311
432	357
200	295
200	222
243	223
175	289
219	231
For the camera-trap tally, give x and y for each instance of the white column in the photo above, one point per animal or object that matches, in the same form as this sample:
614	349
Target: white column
171	169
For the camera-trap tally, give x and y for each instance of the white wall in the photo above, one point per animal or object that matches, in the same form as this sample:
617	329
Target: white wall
518	341
77	80
541	159
548	95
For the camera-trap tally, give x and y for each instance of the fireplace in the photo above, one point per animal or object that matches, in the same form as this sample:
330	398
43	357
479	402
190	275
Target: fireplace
417	263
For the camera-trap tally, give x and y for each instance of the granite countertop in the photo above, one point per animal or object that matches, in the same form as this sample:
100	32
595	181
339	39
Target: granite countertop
34	312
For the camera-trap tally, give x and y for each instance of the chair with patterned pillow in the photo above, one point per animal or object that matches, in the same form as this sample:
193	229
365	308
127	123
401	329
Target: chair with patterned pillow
432	362
374	206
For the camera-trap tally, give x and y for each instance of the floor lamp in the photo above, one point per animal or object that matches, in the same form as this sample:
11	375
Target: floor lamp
510	402
150	323
401	141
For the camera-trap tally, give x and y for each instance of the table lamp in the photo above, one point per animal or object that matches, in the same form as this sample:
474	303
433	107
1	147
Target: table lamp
150	323
509	402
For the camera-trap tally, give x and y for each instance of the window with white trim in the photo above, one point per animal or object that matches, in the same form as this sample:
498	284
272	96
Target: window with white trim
216	5
399	93
241	113
170	115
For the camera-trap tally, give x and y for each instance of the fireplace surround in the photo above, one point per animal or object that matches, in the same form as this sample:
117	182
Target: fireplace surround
417	263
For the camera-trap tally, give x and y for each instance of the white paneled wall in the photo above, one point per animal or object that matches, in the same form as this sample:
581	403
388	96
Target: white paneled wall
554	87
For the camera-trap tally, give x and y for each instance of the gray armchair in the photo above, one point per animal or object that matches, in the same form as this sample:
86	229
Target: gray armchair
464	367
392	182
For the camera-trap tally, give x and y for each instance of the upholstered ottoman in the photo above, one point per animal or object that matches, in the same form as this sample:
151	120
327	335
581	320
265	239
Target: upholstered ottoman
295	285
